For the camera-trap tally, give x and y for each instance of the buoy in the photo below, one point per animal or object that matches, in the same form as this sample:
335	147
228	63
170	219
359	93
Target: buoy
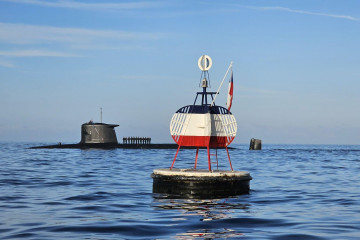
255	144
194	183
203	125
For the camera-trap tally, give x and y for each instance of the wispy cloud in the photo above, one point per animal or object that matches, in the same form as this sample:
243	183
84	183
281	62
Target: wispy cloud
35	53
46	41
6	64
284	9
34	34
91	6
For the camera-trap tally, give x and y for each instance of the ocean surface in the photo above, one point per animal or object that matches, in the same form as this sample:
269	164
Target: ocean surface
297	192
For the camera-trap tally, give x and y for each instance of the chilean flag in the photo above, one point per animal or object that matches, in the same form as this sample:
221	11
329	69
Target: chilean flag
230	93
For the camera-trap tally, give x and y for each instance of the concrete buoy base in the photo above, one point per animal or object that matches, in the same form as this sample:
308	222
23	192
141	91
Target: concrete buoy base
193	183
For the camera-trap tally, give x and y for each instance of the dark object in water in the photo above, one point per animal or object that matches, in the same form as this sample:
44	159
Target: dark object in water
113	145
193	183
102	135
255	144
98	133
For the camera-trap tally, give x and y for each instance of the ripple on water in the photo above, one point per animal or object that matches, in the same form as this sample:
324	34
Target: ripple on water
297	192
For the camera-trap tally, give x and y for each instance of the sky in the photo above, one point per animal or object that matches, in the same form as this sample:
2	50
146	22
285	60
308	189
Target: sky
295	65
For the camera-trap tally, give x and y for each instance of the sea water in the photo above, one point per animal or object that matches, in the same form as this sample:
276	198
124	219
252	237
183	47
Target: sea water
297	192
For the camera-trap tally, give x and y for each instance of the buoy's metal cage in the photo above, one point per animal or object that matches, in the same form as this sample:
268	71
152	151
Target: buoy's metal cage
222	127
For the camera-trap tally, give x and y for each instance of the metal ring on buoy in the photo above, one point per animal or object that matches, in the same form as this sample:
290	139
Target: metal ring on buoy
204	63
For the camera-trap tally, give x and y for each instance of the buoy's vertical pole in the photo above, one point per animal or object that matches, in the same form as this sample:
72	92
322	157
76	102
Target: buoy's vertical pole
209	161
196	157
227	150
100	114
175	157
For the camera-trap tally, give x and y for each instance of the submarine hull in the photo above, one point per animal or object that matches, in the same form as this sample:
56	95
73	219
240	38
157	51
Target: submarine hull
112	146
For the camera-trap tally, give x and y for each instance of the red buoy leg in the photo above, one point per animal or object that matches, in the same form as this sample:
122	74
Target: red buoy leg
196	157
209	161
229	158
175	157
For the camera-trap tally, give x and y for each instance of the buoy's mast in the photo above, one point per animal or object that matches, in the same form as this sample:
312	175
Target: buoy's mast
204	85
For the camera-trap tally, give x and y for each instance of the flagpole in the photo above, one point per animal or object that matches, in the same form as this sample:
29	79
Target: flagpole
217	92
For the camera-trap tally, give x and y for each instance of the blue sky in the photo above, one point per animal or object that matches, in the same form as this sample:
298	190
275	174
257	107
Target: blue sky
296	67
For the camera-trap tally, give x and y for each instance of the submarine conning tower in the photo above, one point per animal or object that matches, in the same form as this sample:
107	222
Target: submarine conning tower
98	133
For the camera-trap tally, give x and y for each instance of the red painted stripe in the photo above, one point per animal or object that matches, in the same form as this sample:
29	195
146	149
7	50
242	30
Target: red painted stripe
203	141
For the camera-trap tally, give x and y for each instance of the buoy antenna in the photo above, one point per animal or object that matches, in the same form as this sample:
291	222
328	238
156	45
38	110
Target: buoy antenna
100	114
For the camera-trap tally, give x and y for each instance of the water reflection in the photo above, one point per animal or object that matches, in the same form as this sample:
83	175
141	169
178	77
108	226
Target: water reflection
205	234
206	210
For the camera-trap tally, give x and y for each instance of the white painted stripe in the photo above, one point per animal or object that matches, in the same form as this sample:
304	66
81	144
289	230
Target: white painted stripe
185	124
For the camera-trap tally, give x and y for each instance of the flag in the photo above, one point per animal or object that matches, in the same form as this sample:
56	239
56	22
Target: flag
230	93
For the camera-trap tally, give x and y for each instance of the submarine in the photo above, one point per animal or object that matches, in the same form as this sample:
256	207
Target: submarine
103	136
